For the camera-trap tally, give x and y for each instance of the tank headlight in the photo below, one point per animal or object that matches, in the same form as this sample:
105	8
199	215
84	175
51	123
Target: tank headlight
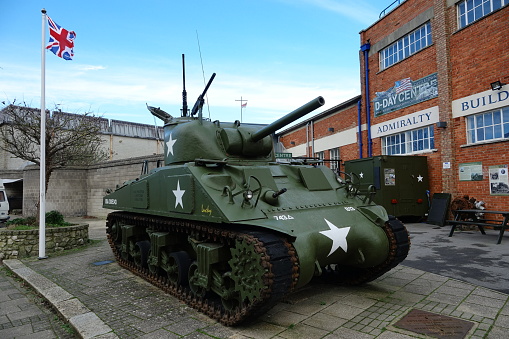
248	195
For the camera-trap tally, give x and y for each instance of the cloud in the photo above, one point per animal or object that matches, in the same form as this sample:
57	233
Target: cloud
90	67
121	91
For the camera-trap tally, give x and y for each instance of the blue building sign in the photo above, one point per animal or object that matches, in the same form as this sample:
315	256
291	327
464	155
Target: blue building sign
404	93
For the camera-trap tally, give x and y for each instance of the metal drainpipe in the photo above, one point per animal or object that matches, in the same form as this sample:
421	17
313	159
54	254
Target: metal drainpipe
312	138
365	48
307	139
359	126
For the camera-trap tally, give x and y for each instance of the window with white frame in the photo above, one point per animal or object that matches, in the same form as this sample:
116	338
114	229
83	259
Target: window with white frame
320	156
408	45
334	157
492	125
472	10
414	141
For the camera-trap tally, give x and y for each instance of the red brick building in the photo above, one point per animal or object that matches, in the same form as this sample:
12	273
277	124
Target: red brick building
434	80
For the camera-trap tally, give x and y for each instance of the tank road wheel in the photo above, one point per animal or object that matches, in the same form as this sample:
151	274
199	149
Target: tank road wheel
194	281
176	265
139	252
152	264
230	298
247	271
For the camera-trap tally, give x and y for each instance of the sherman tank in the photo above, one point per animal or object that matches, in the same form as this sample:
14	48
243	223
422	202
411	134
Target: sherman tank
227	229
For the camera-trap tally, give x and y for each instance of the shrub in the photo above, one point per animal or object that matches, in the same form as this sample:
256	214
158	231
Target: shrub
22	221
54	218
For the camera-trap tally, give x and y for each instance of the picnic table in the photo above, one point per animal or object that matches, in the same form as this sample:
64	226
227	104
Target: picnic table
471	217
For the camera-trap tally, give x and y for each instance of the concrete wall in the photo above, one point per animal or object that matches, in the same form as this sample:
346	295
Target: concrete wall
109	174
78	191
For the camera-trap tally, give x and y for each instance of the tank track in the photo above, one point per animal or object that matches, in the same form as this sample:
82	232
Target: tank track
399	245
278	260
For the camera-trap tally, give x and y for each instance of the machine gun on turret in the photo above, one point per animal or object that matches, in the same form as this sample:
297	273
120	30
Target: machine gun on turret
200	101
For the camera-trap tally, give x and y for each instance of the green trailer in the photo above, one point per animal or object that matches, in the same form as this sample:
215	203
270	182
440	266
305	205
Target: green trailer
401	182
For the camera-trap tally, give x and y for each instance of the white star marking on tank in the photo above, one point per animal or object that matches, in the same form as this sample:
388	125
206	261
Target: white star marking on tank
361	175
169	145
178	195
337	235
419	178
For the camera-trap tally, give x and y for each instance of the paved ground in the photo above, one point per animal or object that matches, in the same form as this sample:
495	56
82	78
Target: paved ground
23	314
103	300
467	255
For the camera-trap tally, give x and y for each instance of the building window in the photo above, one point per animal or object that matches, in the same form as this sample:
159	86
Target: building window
320	156
472	10
408	45
492	125
334	157
414	141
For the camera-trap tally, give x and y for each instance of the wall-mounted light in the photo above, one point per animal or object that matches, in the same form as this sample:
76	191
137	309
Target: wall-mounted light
331	129
496	85
442	124
292	142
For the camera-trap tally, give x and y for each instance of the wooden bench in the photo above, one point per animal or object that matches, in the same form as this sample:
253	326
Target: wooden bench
501	225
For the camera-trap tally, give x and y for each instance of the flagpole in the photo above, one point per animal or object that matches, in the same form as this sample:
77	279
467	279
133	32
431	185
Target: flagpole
42	165
241	106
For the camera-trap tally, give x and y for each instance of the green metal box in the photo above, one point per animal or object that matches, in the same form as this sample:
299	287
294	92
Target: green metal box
401	182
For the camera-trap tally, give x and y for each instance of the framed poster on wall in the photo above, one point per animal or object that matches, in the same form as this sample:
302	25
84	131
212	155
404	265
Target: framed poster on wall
499	180
471	171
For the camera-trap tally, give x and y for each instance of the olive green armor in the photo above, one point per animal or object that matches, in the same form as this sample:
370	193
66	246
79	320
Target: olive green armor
229	230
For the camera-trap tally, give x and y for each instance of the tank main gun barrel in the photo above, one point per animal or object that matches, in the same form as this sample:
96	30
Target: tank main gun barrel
289	118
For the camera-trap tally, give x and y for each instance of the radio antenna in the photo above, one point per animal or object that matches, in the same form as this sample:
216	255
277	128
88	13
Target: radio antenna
184	93
203	71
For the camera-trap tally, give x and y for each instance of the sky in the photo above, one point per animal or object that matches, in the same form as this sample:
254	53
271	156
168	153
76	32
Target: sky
276	54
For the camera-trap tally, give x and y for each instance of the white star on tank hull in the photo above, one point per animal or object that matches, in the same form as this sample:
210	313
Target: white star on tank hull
178	195
337	235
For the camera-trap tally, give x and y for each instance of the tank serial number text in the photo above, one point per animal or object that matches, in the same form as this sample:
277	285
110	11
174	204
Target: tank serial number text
110	201
283	217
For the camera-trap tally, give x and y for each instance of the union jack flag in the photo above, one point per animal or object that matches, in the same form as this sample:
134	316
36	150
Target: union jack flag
403	85
61	41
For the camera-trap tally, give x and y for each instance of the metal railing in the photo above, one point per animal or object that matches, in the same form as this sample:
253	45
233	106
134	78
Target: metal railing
386	10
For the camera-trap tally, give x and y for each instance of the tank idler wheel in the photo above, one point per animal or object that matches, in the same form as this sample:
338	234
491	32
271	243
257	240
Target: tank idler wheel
194	281
176	265
139	252
115	232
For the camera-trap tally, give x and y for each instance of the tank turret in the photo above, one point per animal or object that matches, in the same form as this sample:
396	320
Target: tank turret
229	231
189	138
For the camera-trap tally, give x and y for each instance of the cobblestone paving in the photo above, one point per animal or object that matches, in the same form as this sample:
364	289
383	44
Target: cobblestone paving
134	308
25	315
